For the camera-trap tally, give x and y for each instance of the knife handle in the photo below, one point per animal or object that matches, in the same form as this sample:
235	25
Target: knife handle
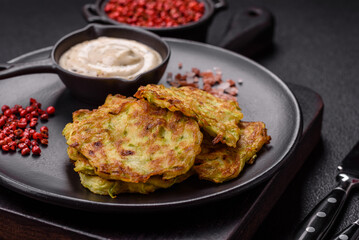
349	233
319	220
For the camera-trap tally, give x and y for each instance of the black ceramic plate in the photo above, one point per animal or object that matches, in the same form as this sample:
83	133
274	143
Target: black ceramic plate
50	178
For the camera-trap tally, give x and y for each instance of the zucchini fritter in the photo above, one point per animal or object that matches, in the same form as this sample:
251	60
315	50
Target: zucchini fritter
103	186
216	116
219	163
132	140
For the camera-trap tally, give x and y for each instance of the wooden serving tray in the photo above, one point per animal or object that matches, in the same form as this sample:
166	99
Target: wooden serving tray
237	217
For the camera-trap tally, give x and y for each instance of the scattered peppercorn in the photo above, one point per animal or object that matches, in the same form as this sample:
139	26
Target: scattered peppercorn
25	151
50	110
22	124
44	141
17	127
22	145
34	143
155	13
36	150
32	124
37	136
4	108
44	129
12	145
8	113
5	148
44	117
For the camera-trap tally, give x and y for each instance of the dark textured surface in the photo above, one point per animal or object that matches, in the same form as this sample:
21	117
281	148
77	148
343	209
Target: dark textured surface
316	45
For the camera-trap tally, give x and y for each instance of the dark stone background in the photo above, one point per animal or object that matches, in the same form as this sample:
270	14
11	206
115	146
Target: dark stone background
316	45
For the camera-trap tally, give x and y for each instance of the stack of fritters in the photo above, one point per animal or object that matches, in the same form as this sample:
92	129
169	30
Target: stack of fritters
240	141
130	145
218	117
140	145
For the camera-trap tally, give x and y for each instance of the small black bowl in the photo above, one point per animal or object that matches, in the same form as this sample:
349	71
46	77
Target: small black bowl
95	89
95	13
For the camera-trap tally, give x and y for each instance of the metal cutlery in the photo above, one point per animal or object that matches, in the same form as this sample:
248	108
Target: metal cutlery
318	222
349	233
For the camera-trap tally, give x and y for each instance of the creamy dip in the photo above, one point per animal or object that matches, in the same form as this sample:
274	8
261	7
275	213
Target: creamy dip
110	57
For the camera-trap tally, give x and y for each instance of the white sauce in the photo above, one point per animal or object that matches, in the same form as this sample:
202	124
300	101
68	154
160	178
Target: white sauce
110	57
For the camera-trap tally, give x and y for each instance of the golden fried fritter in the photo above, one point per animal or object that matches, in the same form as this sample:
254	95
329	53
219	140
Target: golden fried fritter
80	162
216	116
219	163
132	140
103	186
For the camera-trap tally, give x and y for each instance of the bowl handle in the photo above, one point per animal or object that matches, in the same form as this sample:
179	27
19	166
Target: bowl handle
92	15
8	70
219	4
249	31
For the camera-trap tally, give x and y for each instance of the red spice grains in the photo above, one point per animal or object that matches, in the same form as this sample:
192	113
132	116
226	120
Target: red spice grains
212	82
155	13
17	128
50	110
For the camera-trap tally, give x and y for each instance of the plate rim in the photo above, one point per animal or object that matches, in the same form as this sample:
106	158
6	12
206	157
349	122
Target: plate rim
90	205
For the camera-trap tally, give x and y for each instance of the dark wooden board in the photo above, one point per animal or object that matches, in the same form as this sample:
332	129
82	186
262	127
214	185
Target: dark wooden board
232	218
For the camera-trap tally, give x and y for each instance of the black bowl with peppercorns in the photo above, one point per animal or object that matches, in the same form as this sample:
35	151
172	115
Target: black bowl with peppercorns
188	19
94	89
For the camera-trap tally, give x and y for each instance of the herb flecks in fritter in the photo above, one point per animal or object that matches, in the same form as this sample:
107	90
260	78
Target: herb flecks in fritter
102	186
132	140
216	116
219	163
131	145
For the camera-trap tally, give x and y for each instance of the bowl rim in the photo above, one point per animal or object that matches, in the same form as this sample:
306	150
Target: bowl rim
94	28
208	13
